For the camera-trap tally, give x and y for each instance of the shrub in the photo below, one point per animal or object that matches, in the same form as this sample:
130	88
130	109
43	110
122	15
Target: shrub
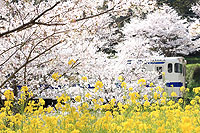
193	75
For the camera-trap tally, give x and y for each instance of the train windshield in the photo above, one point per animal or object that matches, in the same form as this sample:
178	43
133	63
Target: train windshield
178	68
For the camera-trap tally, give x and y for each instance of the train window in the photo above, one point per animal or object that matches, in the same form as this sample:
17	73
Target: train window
170	68
178	68
159	70
183	70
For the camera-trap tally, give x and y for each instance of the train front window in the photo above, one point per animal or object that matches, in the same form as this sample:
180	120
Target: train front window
170	68
178	68
159	70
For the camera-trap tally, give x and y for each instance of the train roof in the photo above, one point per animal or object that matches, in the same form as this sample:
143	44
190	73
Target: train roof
158	59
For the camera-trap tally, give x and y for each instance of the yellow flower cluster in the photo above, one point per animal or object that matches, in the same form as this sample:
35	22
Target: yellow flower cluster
94	116
120	78
196	90
98	84
142	82
123	85
56	76
84	78
70	62
9	95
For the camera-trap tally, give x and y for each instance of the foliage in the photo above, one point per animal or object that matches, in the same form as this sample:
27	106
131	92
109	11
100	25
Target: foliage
190	73
193	60
181	6
54	43
149	113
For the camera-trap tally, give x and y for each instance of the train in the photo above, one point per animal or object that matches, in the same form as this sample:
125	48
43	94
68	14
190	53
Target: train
172	71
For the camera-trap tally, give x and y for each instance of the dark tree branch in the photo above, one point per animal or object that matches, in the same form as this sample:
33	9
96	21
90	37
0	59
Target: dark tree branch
10	57
28	24
37	45
27	62
22	44
96	15
9	49
46	24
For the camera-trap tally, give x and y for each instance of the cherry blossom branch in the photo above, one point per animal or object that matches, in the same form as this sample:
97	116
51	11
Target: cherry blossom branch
92	16
22	44
28	24
76	20
27	40
46	24
27	62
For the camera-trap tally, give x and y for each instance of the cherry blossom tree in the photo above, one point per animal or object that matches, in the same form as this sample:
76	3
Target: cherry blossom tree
165	31
55	43
38	40
196	9
194	28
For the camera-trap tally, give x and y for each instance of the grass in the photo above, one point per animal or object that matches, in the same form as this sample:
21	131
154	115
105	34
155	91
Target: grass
191	80
192	76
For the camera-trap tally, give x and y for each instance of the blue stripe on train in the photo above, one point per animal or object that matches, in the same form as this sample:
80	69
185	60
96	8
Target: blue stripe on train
129	62
46	86
155	62
174	84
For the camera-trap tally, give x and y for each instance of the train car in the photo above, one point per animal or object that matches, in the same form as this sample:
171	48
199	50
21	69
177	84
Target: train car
172	71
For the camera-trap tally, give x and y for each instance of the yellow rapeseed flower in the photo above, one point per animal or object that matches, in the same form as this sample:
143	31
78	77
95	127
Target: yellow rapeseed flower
173	94
196	90
84	78
66	98
182	88
120	78
163	101
75	131
96	89
24	89
78	98
163	73
101	100
98	84
164	94
146	103
9	95
49	109
123	84
151	84
142	81
55	76
145	97
85	105
124	97
197	98
8	103
88	95
41	102
130	89
180	100
193	102
94	100
155	95
112	102
70	62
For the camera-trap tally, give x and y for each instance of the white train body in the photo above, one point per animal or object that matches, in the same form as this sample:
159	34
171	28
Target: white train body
172	72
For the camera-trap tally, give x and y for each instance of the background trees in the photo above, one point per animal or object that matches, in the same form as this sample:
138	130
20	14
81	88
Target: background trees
38	38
